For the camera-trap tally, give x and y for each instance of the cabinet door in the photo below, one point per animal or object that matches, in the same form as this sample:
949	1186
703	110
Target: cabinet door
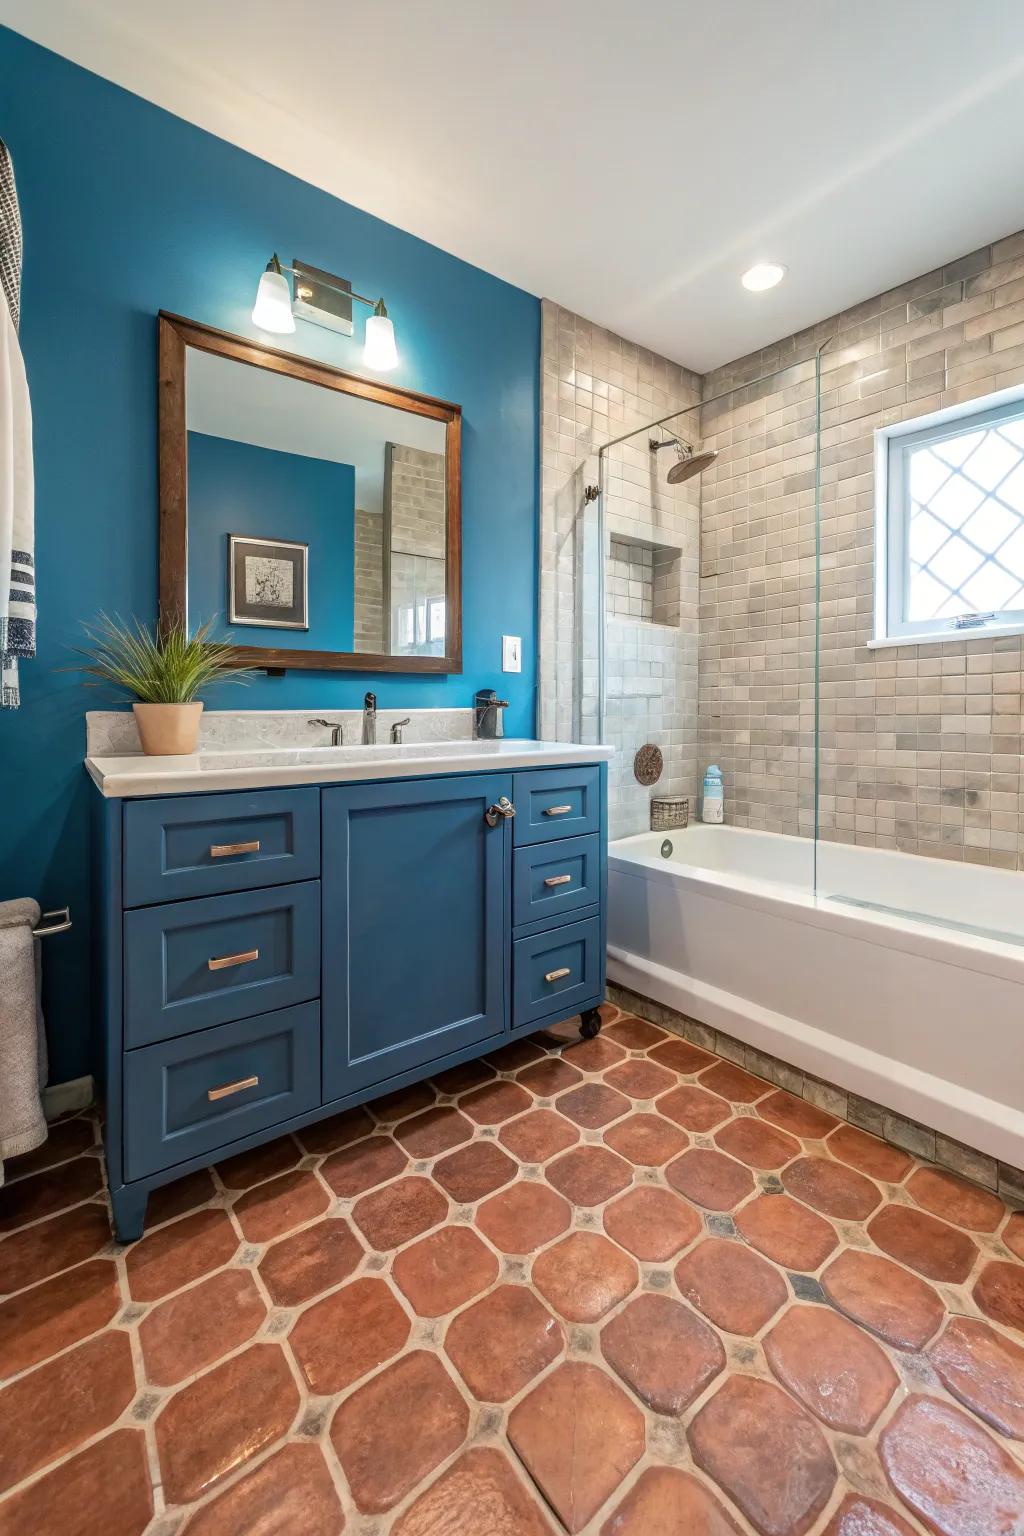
416	916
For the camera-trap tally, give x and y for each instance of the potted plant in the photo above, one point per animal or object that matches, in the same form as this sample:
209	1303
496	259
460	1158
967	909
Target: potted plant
163	673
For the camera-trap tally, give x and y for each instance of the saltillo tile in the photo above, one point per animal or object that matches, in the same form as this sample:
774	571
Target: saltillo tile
882	1296
210	1427
106	1486
479	1495
663	1351
309	1262
292	1490
651	1223
578	1435
444	1270
339	1339
835	1370
370	1431
584	1276
949	1471
734	1288
766	1453
501	1342
39	1322
56	1407
665	1501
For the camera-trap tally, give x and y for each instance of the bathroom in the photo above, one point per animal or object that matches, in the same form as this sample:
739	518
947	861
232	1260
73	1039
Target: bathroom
439	1119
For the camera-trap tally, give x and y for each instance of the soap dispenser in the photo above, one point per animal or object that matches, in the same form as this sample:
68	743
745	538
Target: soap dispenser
713	805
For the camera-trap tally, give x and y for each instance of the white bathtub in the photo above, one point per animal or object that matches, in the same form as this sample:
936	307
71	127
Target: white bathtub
923	1014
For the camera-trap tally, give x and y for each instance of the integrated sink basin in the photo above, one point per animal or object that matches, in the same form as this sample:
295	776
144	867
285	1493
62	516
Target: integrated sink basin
223	768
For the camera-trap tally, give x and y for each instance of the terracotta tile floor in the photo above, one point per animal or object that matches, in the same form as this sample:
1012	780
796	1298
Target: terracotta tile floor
613	1287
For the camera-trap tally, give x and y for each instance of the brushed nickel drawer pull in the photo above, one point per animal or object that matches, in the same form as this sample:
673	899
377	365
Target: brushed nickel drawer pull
557	975
224	962
213	1094
228	850
558	880
558	810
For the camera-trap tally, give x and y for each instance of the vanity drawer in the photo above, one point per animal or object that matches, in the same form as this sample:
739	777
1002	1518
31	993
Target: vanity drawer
553	879
200	845
556	802
194	964
553	971
194	1096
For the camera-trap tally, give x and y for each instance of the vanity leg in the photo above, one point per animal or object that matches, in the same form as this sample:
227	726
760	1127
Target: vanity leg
590	1023
129	1207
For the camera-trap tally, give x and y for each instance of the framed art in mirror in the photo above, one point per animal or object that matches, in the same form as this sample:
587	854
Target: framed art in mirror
302	500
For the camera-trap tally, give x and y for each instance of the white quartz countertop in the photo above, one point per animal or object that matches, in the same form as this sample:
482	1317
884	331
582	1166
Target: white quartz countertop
132	775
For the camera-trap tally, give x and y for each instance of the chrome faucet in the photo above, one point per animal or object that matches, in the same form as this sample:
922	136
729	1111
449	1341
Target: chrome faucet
334	726
370	720
487	719
396	730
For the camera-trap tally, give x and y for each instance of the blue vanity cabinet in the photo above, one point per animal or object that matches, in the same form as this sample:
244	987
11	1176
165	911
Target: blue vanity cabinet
415	914
268	958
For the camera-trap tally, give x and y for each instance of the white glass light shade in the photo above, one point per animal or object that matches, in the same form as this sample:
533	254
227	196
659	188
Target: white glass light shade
273	308
380	352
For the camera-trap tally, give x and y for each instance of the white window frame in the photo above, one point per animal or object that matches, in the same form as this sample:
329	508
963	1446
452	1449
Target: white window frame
893	446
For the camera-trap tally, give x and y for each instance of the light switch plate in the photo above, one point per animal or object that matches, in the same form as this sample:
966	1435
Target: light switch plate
511	653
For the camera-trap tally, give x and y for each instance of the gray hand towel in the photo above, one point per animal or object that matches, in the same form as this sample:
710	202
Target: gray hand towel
22	1040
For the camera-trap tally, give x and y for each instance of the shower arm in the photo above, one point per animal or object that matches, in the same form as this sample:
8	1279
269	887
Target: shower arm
711	400
601	460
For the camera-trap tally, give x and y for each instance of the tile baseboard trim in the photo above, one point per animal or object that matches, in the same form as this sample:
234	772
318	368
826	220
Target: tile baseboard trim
911	1136
66	1098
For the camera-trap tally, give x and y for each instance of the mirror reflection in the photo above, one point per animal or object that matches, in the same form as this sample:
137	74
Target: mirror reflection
316	520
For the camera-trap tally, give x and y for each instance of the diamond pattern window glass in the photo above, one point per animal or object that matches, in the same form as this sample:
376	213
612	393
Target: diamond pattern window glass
954	503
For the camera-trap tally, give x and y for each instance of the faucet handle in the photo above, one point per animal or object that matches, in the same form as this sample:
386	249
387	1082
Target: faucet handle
396	730
370	701
334	726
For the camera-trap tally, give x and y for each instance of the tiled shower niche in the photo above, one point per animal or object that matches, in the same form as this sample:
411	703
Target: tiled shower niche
642	581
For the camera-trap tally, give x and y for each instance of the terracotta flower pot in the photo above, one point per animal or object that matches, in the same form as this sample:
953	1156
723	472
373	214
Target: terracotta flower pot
168	730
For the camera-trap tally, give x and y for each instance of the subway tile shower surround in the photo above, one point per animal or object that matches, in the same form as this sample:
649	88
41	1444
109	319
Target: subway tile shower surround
159	215
921	745
597	386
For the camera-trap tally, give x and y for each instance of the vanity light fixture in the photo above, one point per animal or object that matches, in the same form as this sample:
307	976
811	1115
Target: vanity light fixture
273	308
763	275
325	300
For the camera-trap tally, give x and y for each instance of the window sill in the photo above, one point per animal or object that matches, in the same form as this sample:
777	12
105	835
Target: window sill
947	636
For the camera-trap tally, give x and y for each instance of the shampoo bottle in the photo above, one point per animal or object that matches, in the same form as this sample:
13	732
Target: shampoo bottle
713	807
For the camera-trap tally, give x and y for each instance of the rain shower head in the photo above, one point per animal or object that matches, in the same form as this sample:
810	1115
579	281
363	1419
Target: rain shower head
687	462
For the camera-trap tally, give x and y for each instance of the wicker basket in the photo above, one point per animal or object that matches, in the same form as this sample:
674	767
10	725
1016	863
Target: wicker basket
669	813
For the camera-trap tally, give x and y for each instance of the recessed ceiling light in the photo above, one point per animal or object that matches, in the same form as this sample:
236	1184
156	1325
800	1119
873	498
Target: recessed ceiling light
764	275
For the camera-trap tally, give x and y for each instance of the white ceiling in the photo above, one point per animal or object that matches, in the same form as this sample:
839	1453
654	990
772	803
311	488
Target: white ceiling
629	161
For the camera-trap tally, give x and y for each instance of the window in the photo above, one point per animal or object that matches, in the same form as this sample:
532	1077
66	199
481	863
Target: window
950	558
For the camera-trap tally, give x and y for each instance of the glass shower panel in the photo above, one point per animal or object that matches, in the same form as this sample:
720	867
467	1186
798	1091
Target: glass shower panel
758	568
647	570
919	772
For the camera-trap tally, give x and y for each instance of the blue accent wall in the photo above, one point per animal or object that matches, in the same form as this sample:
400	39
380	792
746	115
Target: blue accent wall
265	493
128	210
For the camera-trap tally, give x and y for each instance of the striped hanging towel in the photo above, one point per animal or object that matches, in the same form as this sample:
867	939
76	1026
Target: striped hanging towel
17	494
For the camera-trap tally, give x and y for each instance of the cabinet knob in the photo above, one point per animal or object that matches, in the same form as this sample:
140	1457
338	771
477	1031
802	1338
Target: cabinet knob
228	850
556	975
558	880
557	810
502	810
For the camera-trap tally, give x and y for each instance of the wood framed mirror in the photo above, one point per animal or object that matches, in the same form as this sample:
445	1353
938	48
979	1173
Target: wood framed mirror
314	515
